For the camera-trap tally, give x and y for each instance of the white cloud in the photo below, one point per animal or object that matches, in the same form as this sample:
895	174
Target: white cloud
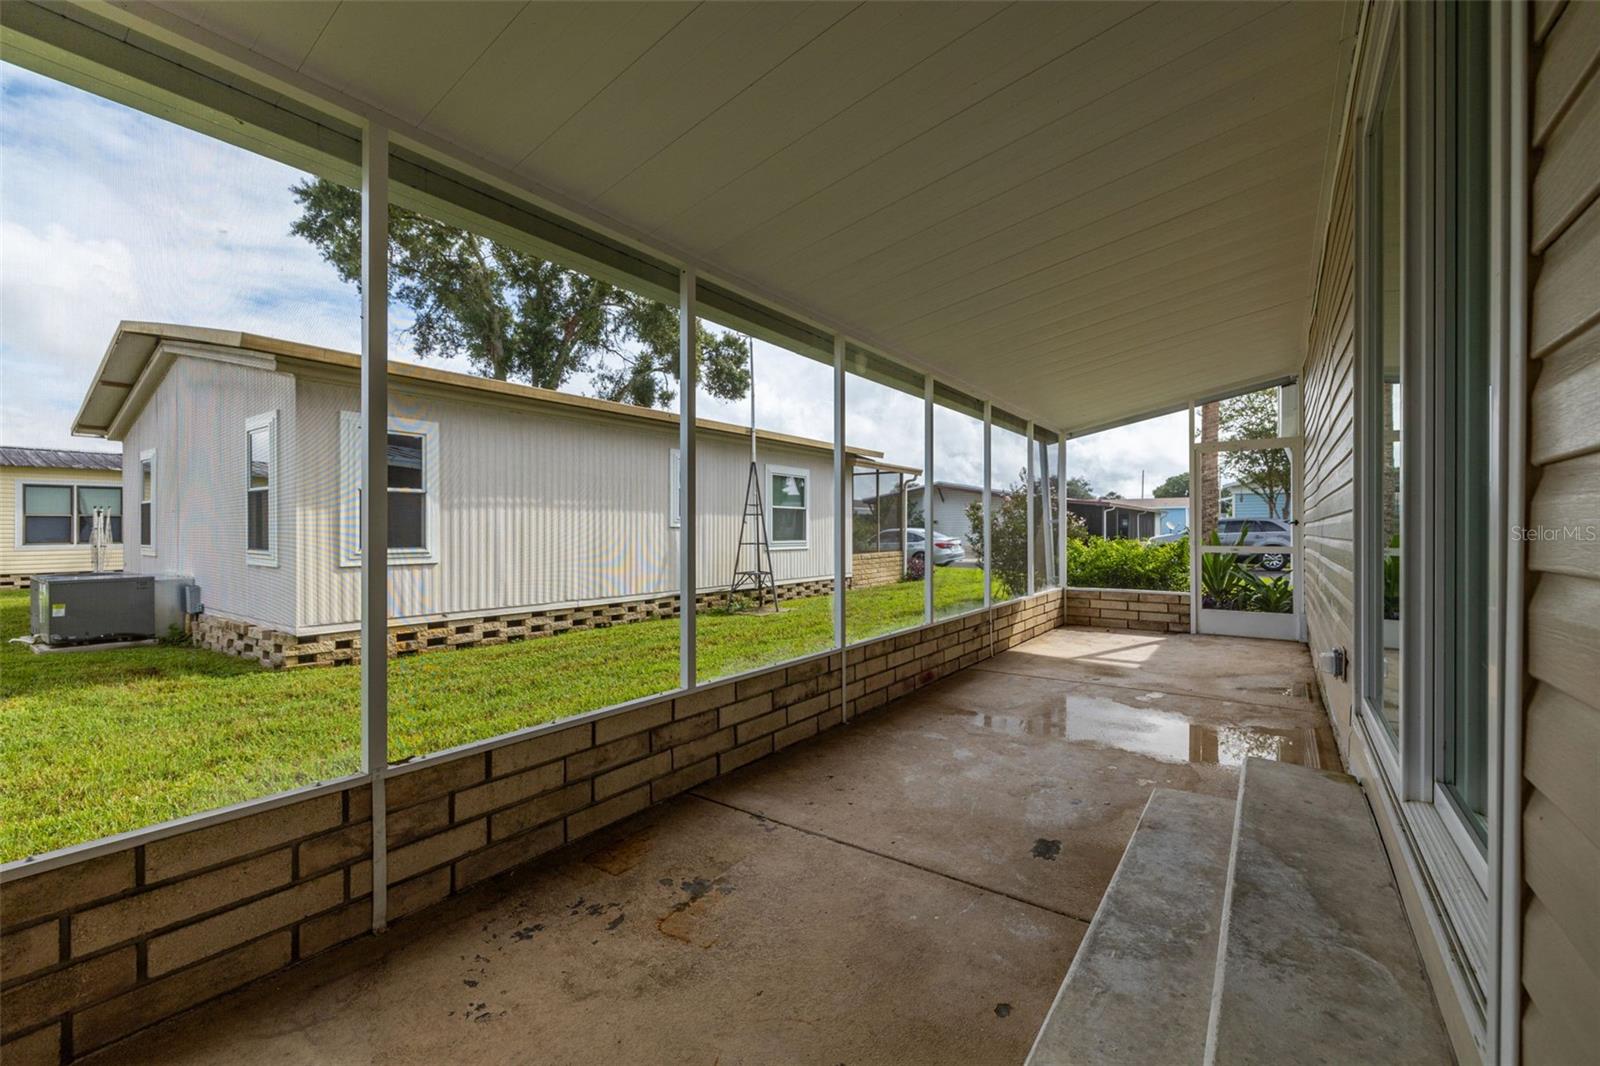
111	214
1113	460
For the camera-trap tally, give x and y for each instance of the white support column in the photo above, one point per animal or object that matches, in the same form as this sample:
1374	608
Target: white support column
1033	578
927	502
688	381
988	530
374	494
1061	512
1194	532
843	516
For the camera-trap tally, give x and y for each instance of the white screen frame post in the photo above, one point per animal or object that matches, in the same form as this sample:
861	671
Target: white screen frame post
843	515
375	481
688	382
927	501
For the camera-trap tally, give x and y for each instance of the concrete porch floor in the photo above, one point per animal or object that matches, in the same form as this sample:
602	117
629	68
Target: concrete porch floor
909	887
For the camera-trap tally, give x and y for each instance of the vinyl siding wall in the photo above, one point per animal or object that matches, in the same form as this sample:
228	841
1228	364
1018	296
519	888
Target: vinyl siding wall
15	558
541	508
1561	812
195	421
1327	505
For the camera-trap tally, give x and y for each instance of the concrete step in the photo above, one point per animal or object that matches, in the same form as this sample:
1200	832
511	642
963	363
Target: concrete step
1139	989
1317	962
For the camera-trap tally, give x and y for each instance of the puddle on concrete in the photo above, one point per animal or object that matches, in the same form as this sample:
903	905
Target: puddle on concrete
1163	735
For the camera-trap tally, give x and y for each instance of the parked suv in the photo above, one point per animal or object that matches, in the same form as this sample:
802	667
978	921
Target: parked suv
1267	532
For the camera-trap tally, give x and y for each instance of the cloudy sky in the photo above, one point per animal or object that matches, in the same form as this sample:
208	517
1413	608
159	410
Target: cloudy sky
109	214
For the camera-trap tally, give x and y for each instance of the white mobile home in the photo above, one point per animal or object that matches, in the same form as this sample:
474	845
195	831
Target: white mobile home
241	453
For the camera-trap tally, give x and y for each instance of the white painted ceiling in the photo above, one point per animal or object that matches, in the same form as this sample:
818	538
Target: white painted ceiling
1088	211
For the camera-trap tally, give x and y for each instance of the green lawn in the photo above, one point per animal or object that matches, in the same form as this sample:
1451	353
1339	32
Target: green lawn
94	743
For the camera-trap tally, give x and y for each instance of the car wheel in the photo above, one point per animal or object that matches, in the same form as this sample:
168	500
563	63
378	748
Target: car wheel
915	566
1274	561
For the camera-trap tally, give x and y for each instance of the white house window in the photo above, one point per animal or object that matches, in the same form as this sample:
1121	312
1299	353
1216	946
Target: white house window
47	514
261	489
147	492
92	498
675	504
408	495
787	505
412	457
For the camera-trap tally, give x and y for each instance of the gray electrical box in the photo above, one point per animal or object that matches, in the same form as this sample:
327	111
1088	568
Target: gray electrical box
95	608
88	608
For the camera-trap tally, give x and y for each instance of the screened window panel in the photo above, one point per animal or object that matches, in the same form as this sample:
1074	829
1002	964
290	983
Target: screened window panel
407	525
47	529
405	461
788	524
258	522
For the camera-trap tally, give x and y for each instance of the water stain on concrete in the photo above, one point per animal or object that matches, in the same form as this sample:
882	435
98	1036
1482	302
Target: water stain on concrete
1165	736
618	858
1046	849
1002	1010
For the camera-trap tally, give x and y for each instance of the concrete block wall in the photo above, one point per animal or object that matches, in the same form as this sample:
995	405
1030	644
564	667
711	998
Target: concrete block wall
1159	612
276	648
97	949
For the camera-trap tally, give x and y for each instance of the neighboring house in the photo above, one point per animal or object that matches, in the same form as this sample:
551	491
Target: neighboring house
508	505
1115	519
47	501
1172	511
1240	502
950	502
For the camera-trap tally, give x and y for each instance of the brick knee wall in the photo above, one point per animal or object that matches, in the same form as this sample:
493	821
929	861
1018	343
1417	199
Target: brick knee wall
872	569
1159	612
100	948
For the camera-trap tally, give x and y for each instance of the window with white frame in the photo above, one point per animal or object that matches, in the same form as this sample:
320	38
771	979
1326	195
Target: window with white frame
261	489
147	495
788	523
47	514
1426	660
412	453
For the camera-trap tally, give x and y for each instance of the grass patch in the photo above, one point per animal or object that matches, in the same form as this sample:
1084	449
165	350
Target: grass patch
100	742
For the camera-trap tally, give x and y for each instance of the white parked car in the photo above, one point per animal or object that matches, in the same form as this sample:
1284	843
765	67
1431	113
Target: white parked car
946	549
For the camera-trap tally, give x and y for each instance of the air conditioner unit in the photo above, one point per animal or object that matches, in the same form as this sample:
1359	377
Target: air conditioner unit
95	608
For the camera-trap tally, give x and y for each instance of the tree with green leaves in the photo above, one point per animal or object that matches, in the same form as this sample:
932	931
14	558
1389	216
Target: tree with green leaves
1264	471
515	316
1175	486
1008	518
1078	488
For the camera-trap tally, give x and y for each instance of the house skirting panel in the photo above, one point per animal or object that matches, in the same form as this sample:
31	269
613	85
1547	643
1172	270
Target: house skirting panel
277	648
124	938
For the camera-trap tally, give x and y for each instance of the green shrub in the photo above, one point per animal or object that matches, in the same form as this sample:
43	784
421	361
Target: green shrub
1095	562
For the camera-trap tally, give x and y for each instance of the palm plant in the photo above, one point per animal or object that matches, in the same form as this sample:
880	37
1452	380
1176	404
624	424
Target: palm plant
1222	580
1274	595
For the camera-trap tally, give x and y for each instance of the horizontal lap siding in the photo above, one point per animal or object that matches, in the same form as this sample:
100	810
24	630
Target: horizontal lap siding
1561	811
1328	457
95	950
